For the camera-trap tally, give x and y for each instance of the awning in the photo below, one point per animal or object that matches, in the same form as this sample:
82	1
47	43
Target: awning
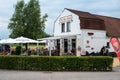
49	38
57	37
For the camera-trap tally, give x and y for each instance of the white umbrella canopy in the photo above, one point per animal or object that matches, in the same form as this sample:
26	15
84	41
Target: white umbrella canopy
18	40
43	41
25	40
7	41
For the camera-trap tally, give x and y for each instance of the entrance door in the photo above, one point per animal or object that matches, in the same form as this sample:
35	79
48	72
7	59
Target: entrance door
65	45
73	46
73	43
58	43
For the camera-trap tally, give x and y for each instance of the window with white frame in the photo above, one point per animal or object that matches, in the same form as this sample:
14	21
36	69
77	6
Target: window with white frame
68	27
63	27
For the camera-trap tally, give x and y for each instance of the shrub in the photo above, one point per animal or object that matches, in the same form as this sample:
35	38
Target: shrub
57	63
18	50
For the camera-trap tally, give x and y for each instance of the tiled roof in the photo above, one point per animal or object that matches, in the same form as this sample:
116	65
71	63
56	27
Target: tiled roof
98	22
112	25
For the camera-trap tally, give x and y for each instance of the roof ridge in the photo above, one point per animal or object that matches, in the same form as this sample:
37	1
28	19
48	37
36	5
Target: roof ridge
95	15
77	10
106	16
82	13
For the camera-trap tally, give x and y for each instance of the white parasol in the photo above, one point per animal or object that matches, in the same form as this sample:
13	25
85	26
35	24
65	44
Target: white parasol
25	40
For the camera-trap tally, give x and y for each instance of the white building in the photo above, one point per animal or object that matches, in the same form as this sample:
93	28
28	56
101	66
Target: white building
82	31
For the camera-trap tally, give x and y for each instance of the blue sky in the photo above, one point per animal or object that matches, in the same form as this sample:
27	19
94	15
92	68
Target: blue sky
55	7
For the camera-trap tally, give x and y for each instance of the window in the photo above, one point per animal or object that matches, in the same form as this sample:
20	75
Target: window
68	26
63	27
108	45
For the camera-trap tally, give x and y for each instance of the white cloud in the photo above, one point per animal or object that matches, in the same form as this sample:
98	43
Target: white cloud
4	32
105	4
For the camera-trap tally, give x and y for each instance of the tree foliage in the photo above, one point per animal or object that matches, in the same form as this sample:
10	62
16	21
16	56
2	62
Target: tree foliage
27	20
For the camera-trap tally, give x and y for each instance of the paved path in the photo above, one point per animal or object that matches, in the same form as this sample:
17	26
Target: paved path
41	75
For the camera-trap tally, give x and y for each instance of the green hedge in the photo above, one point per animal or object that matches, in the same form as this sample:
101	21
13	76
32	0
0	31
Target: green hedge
44	63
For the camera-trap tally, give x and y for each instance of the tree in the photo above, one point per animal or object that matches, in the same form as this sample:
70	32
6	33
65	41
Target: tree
27	20
16	24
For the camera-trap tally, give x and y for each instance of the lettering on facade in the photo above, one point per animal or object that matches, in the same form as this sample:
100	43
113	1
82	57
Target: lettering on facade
65	19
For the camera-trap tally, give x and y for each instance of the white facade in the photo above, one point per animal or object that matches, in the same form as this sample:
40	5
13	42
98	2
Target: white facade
74	24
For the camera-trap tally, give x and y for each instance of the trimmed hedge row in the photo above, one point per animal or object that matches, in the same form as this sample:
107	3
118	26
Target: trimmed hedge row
57	63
